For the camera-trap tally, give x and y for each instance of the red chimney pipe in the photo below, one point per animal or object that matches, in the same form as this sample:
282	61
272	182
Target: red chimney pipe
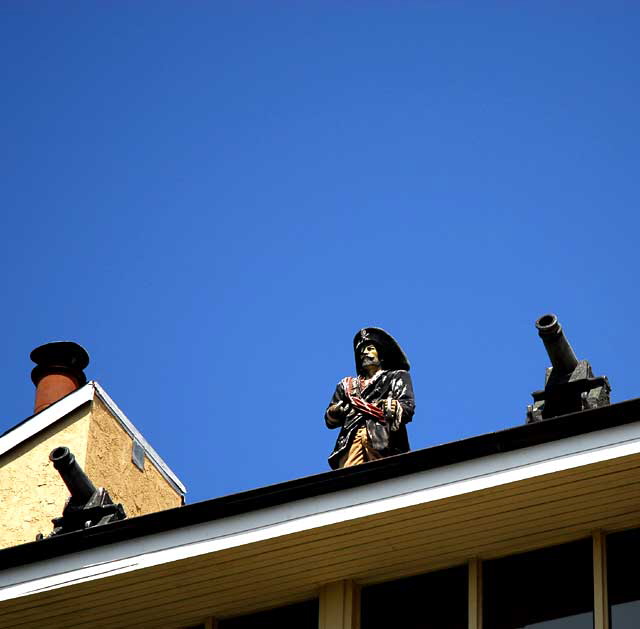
58	371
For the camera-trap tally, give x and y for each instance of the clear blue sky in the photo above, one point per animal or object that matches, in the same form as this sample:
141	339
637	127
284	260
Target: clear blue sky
214	197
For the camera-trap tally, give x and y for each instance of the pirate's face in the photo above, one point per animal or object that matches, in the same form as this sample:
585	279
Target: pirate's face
369	355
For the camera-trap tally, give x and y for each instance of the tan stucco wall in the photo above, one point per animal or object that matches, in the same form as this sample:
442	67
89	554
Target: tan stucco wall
109	465
31	490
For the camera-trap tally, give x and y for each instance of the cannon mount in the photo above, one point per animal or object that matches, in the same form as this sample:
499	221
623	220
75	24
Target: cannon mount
569	385
88	505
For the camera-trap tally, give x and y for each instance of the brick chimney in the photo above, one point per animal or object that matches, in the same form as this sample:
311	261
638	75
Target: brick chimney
58	371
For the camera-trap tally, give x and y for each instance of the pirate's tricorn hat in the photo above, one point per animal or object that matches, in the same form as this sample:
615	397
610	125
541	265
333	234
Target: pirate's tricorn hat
390	351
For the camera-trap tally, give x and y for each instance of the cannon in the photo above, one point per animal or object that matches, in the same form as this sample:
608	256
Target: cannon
569	385
88	505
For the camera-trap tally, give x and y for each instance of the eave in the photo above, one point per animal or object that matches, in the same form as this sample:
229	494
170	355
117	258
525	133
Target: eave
484	497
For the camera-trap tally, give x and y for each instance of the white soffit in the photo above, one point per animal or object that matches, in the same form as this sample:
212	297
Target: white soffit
318	511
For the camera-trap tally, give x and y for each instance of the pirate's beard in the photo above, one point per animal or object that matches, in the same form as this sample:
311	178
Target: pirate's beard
370	362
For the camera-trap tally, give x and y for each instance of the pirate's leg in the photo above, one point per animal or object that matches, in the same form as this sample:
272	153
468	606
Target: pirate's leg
360	450
369	453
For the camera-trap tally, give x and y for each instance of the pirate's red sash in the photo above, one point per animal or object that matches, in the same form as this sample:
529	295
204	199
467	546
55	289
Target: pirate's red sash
357	402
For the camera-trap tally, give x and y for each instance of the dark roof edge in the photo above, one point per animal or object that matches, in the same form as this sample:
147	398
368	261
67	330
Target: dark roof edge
433	457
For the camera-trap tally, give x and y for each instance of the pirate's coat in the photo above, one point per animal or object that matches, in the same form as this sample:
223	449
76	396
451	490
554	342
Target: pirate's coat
387	431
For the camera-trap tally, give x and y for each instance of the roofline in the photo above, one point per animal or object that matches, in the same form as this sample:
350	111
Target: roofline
466	451
72	402
282	519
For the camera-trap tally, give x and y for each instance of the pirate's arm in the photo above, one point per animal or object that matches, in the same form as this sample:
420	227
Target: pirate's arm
338	408
399	406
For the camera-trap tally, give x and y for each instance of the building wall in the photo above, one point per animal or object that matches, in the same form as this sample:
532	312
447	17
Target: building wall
109	465
31	490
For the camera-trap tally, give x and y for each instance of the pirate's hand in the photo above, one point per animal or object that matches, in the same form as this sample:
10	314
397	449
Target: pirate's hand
338	411
390	407
393	413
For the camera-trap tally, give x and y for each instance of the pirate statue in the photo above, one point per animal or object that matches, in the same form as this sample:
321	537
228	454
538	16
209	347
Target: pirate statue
373	408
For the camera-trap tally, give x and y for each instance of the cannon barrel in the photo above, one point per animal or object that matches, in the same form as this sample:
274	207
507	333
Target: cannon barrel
78	483
562	357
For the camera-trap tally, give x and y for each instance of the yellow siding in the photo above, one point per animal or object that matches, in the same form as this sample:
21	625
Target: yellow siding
109	465
31	490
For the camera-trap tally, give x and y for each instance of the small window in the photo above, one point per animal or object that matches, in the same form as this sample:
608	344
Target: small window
623	551
298	616
436	600
545	589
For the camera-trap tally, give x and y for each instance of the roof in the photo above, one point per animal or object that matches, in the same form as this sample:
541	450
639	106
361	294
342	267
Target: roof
36	423
485	497
395	467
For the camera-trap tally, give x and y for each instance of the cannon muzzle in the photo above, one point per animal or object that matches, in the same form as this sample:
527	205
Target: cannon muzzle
562	357
77	482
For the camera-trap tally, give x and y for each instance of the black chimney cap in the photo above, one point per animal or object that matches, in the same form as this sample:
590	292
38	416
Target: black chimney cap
65	354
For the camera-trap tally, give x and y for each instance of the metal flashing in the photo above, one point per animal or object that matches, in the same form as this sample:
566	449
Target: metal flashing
135	434
137	454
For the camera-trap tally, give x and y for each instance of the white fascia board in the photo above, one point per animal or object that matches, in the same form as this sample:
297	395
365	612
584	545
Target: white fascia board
134	433
318	511
45	418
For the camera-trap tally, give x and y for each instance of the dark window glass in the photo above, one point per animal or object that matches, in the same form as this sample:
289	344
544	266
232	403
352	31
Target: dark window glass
623	552
437	600
298	616
546	589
